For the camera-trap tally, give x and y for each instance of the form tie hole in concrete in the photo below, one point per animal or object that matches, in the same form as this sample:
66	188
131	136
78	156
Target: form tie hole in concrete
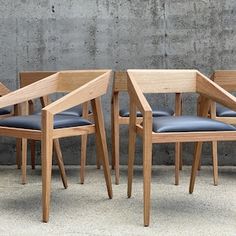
53	9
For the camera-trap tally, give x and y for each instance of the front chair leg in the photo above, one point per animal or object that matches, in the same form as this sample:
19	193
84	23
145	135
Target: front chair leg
115	137
24	159
147	169
197	156
46	152
57	148
83	157
215	162
101	140
132	142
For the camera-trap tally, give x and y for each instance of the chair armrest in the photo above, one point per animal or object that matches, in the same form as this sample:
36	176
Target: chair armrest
137	95
87	92
214	92
38	89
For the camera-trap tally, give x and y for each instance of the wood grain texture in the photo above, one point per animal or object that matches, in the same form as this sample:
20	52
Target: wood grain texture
165	81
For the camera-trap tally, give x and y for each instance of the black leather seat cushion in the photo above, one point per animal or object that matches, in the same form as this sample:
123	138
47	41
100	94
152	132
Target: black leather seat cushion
188	124
155	113
224	111
74	111
34	122
4	111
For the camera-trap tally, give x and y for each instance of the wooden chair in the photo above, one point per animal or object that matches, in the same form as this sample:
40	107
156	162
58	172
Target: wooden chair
121	117
7	112
29	77
227	80
172	129
81	86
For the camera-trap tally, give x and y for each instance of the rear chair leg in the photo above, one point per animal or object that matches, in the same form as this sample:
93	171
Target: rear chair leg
98	154
101	141
18	153
197	156
24	160
32	153
60	163
177	162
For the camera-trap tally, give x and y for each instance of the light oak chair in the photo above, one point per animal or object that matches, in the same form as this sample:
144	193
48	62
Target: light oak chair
81	86
121	117
227	80
172	129
29	77
7	112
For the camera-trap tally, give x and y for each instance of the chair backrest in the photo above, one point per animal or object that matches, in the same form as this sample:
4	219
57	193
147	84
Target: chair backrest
226	79
64	81
3	89
120	85
29	77
179	81
70	80
120	81
165	81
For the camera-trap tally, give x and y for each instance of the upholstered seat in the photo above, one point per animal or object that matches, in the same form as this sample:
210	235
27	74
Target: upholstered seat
222	111
4	111
188	124
74	111
155	113
34	122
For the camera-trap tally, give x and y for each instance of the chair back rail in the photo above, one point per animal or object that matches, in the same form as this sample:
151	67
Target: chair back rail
120	85
226	79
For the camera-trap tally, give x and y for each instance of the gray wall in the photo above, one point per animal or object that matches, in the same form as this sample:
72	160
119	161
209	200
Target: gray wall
117	34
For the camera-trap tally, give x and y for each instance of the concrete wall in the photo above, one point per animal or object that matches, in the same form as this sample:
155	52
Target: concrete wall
117	34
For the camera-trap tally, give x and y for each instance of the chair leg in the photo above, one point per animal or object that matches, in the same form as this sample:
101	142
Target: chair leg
32	153
177	162
46	157
147	169
197	156
18	153
83	157
24	160
98	154
215	162
117	154
180	156
115	138
57	148
199	164
101	140
132	141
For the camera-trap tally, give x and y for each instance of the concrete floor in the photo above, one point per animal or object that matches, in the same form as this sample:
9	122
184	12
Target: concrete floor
86	209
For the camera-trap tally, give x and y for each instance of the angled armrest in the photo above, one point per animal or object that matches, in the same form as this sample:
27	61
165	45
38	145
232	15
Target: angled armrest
137	96
38	89
214	92
87	92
